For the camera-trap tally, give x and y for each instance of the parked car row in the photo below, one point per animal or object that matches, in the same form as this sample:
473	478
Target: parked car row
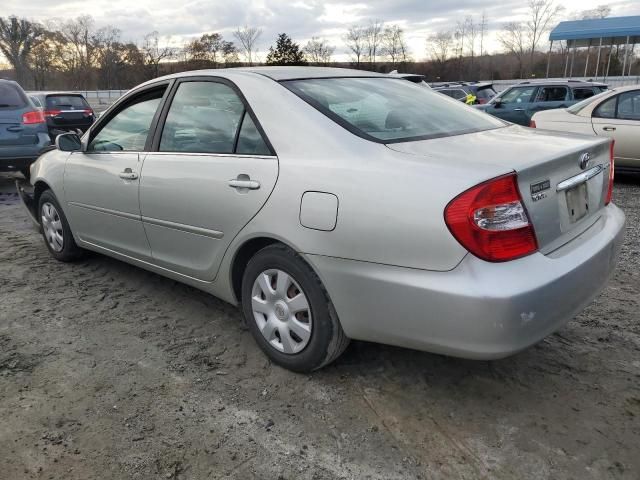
29	123
335	204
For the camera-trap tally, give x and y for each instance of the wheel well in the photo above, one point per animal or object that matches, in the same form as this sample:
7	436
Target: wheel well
38	189
244	254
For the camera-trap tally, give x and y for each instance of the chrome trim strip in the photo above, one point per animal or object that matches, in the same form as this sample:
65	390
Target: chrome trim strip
183	228
198	154
580	178
108	211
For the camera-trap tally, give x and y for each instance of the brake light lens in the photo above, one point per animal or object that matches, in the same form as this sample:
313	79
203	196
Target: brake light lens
31	118
532	124
611	174
88	112
491	222
52	113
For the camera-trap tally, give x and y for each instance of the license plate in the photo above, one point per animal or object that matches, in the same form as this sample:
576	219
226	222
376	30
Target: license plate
577	202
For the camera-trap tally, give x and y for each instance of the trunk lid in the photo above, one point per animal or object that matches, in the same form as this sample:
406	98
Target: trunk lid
562	198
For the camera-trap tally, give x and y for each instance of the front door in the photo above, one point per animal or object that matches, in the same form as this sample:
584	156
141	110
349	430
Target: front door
512	105
102	182
212	172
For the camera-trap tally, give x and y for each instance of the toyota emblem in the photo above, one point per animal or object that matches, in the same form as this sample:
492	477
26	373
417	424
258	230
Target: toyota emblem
584	160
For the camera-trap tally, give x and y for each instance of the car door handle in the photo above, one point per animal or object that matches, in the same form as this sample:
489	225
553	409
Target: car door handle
16	128
609	129
241	184
128	174
518	109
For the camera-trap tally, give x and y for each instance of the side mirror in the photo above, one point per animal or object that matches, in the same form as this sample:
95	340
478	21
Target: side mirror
68	142
497	103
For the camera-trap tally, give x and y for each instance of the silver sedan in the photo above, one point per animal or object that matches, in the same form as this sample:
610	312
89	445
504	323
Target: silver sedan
334	204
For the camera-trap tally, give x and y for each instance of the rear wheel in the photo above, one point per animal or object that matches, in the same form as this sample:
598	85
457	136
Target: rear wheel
55	229
289	312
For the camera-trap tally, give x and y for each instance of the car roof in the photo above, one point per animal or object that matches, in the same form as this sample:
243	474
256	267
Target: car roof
47	94
574	83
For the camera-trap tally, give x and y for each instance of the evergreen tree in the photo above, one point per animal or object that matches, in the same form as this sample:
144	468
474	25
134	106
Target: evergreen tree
287	52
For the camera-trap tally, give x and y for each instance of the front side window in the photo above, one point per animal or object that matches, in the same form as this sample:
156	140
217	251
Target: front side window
517	95
552	94
629	106
203	118
129	128
390	110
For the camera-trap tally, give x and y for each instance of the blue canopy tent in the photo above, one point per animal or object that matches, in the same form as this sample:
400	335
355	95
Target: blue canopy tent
596	33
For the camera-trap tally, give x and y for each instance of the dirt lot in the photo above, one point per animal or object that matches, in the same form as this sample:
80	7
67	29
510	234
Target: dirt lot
111	372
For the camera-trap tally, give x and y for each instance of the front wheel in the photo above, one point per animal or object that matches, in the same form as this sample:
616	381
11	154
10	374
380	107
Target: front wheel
289	312
55	229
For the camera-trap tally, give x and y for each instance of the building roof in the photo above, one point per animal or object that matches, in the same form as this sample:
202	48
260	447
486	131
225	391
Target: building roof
614	29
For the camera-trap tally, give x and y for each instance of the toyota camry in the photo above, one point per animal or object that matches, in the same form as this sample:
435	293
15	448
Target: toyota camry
334	204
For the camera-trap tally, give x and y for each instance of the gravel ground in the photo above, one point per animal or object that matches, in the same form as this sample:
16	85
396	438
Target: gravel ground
111	372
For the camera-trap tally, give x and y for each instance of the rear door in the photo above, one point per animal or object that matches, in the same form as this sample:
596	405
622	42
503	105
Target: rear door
101	183
547	98
619	118
211	171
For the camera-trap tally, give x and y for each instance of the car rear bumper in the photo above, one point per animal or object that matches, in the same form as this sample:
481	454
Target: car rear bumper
21	156
478	310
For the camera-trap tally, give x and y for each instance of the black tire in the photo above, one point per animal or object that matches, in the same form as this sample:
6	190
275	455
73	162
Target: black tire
327	340
70	251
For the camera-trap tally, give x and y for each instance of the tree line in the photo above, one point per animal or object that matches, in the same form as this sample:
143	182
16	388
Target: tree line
76	54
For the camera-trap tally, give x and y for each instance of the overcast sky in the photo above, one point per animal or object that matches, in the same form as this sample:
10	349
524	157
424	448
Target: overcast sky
301	19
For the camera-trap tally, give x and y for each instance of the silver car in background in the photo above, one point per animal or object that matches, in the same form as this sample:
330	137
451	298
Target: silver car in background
334	204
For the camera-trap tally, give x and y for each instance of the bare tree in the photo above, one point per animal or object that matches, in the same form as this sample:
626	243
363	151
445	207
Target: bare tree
211	47
514	40
439	46
542	14
373	39
355	42
471	33
394	45
318	51
80	39
248	37
601	11
154	53
17	37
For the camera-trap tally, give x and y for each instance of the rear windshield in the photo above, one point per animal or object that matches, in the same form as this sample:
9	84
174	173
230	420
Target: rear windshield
74	102
11	96
389	110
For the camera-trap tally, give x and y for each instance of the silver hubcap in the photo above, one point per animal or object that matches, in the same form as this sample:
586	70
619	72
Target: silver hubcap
281	311
52	227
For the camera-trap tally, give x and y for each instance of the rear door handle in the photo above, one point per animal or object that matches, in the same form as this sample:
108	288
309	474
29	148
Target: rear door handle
609	129
128	174
16	128
518	109
242	184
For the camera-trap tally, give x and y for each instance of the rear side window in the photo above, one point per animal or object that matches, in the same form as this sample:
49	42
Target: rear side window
71	102
607	109
517	95
582	93
11	96
203	118
629	106
250	142
390	110
552	94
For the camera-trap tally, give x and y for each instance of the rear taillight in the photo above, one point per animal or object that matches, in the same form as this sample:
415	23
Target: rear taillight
532	124
482	101
52	113
611	174
87	112
31	118
491	222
